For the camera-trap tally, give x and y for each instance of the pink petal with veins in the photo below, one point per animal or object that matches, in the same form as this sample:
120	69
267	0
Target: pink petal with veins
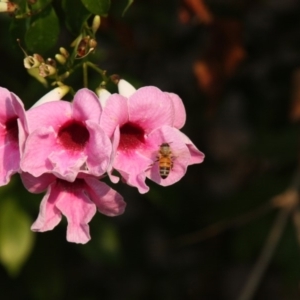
150	108
79	210
49	215
86	106
107	200
179	111
114	114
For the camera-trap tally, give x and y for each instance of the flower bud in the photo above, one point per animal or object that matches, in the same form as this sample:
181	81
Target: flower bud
125	88
64	52
51	62
9	7
60	58
46	70
96	23
115	78
54	95
103	94
33	61
92	44
82	48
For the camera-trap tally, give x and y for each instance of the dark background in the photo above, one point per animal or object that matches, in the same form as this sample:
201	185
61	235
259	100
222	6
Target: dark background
235	66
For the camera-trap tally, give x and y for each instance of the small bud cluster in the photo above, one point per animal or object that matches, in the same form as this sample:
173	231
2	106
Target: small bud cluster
83	45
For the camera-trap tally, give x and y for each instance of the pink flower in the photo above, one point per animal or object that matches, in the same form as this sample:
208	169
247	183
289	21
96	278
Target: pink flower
13	131
77	201
66	138
138	124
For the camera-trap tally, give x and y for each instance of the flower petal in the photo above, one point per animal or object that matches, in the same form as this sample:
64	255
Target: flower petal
38	147
179	111
23	133
115	143
86	106
132	166
49	215
115	113
98	149
197	156
37	185
9	158
136	180
8	105
150	108
107	200
11	111
52	114
78	209
66	164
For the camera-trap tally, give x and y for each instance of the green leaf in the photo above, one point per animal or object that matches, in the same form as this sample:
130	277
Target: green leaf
76	15
40	4
17	31
16	238
22	7
129	3
43	31
97	7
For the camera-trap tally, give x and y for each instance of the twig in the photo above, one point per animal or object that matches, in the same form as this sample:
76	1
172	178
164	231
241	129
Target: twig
221	226
266	254
296	220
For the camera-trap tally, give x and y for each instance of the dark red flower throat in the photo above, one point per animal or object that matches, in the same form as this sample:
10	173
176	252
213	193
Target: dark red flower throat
12	129
131	137
73	135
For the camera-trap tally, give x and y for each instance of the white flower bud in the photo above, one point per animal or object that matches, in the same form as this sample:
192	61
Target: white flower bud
54	95
125	88
103	94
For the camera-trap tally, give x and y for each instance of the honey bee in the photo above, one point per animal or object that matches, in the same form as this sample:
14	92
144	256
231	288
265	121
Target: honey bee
165	160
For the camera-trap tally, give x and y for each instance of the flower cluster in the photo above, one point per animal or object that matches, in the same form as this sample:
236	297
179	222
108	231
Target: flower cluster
64	149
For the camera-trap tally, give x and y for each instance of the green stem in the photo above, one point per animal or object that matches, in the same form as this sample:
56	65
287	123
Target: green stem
98	70
85	75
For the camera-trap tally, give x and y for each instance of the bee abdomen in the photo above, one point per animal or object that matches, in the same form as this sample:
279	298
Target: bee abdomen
164	172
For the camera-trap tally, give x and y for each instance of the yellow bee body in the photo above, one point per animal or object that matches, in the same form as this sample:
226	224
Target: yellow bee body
165	160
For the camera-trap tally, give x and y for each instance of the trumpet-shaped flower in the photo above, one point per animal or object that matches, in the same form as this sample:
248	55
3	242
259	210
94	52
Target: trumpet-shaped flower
78	201
139	121
66	138
13	130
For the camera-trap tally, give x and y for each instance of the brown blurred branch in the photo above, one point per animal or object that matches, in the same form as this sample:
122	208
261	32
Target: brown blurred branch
219	227
266	254
296	221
